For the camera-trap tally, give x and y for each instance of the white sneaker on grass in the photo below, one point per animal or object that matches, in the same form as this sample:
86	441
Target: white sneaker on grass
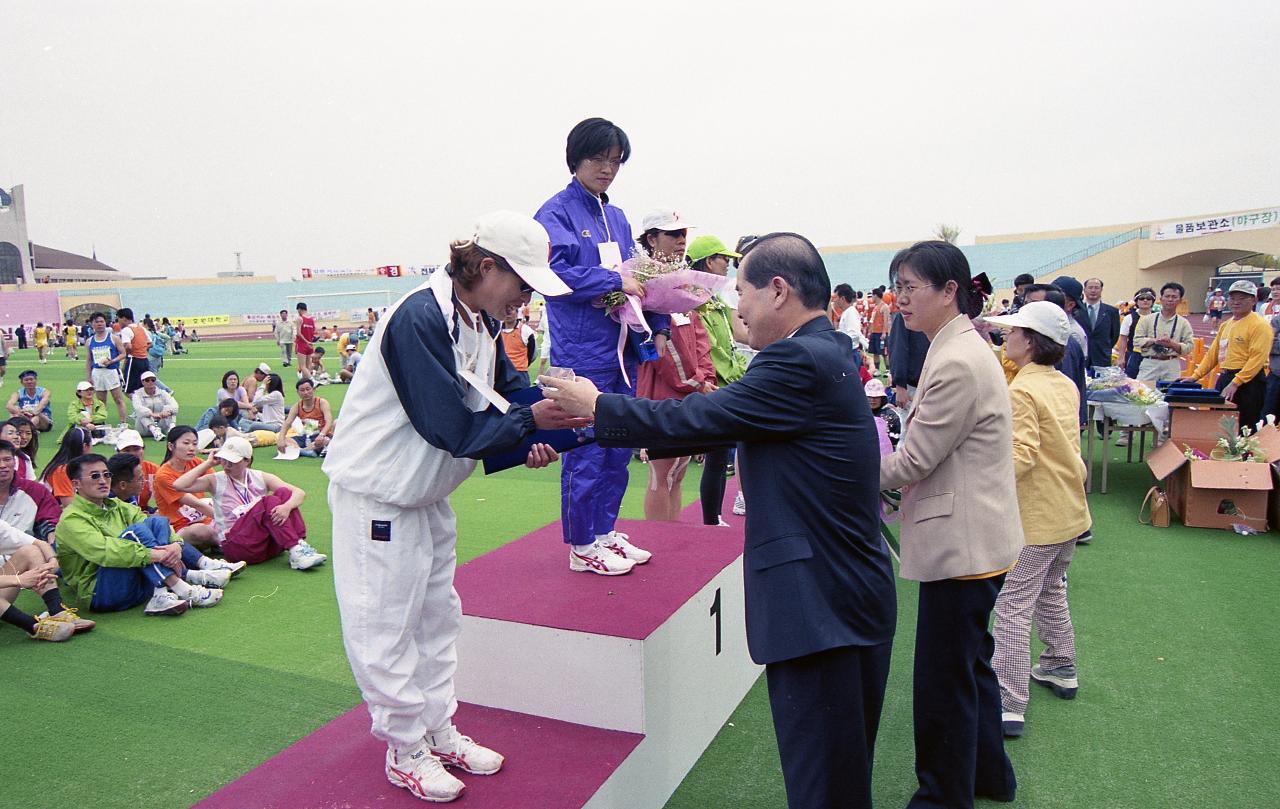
739	504
304	557
455	750
201	596
208	578
51	630
165	602
233	568
600	560
155	433
419	771
620	544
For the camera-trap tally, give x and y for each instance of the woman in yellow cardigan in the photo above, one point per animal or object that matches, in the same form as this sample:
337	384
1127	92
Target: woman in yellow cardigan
1051	502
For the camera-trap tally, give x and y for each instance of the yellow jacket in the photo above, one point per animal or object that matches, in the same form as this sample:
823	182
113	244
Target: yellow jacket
1248	348
1046	455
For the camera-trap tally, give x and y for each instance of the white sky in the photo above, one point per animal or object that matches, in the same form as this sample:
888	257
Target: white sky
171	134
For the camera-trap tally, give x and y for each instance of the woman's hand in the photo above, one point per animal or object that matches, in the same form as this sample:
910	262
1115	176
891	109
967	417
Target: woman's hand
34	578
541	455
280	513
632	287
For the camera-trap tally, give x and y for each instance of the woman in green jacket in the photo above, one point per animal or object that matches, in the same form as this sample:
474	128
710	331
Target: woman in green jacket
85	410
708	254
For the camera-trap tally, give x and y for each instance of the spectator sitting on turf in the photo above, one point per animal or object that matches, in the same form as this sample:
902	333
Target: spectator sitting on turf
32	401
131	482
87	411
267	411
227	408
253	382
318	372
9	431
154	410
315	421
877	397
113	556
129	442
182	509
27	563
231	389
25	504
349	363
256	513
76	441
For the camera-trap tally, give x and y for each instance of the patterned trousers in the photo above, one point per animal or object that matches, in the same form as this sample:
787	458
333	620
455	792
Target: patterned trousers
1033	590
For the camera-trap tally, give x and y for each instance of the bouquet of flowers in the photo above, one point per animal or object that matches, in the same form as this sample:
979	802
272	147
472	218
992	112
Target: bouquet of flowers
1242	447
669	287
1140	393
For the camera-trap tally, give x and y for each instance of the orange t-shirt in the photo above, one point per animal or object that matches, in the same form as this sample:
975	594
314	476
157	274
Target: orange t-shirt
149	470
168	498
60	483
517	350
892	300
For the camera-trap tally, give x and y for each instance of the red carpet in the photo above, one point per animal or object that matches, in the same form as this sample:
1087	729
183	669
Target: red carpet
340	766
528	581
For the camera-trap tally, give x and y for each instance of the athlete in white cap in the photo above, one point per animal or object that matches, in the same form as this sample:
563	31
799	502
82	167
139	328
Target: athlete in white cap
430	401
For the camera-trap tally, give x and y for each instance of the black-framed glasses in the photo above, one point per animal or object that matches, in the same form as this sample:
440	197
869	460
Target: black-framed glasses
98	475
681	233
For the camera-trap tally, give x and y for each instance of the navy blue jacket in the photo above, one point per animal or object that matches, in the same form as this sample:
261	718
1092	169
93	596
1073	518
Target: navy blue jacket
907	350
817	573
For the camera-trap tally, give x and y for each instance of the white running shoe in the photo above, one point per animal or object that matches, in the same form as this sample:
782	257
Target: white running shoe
599	559
165	602
208	578
155	432
233	568
304	557
620	544
201	596
739	504
420	772
455	750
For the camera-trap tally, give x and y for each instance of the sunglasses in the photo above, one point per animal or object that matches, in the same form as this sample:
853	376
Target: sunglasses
98	475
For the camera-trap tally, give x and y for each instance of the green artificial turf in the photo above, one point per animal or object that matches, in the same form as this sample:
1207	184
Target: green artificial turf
1176	632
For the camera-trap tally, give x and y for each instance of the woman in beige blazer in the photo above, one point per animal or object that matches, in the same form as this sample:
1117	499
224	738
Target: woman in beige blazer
960	528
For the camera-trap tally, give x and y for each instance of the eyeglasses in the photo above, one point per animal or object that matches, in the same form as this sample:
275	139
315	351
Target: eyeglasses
98	475
1144	298
908	289
601	161
677	234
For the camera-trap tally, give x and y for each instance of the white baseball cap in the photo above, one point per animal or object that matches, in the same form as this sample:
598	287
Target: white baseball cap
148	375
1041	317
873	388
1247	287
264	368
235	450
524	244
204	438
84	385
128	438
663	219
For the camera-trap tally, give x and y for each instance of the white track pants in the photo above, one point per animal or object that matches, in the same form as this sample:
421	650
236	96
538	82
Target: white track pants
400	613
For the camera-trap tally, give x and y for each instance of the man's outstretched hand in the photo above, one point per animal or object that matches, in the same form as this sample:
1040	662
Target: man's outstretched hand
577	397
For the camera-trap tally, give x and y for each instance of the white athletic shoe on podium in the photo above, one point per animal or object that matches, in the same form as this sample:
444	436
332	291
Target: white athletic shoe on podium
600	560
455	750
419	771
620	544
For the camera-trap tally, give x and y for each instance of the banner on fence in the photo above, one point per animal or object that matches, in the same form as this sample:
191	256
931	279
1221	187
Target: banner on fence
386	271
206	320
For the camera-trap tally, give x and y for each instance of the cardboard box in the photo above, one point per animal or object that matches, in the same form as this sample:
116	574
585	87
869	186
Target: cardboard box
1200	422
1213	494
1269	438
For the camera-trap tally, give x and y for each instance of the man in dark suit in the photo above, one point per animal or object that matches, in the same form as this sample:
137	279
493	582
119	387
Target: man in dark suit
1101	323
820	596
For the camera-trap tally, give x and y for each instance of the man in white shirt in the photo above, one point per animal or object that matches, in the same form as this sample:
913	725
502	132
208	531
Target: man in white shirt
154	410
850	318
349	364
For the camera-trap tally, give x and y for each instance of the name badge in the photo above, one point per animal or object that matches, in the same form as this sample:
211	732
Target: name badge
610	255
